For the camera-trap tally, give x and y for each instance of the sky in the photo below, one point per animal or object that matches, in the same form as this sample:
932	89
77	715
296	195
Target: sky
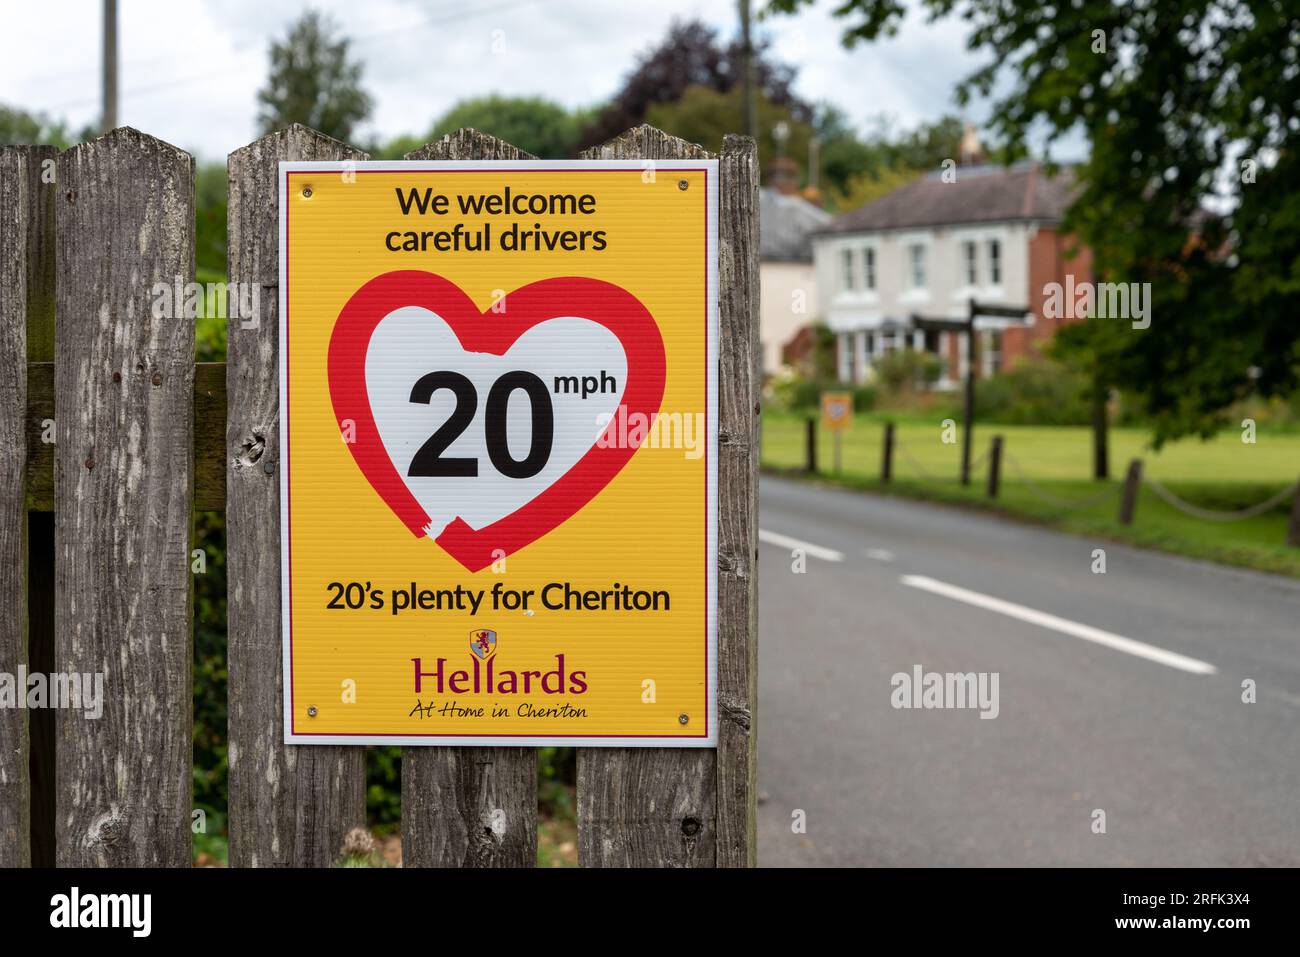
190	69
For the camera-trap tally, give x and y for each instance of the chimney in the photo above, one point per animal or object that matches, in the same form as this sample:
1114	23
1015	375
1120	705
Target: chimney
971	152
783	175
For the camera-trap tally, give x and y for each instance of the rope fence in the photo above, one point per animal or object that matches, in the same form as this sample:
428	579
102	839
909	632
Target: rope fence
914	464
926	473
1213	515
1054	500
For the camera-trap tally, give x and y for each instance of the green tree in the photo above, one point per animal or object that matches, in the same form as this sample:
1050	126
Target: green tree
313	81
923	148
856	169
210	220
871	184
398	146
691	55
20	126
842	154
1191	183
704	115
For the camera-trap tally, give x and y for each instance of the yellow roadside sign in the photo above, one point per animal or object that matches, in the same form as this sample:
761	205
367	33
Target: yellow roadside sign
837	411
498	450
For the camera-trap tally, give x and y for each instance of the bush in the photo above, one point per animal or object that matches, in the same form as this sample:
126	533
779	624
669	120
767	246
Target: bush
1034	392
905	372
1278	413
384	788
864	398
210	762
792	393
557	772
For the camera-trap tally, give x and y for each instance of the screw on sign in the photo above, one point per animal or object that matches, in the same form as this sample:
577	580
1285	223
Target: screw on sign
837	417
524	367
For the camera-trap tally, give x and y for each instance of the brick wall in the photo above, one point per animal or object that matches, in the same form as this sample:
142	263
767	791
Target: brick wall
1049	261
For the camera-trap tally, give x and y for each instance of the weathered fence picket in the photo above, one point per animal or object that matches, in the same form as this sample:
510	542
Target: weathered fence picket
683	807
739	411
124	391
469	807
15	784
144	436
289	806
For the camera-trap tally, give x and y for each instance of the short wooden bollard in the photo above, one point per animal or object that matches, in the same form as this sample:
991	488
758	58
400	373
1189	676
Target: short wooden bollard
995	466
812	446
1293	530
1132	481
887	454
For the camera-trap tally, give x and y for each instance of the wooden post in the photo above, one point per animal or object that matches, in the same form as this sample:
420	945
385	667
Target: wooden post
694	807
748	72
1293	530
995	466
289	806
887	455
1132	482
124	385
1100	425
15	785
811	441
469	807
837	439
108	114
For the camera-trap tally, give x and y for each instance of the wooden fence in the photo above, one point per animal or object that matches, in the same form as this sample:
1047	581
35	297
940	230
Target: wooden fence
142	436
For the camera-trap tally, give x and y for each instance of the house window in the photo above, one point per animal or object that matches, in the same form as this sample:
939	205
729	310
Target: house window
916	256
846	260
869	268
969	252
995	262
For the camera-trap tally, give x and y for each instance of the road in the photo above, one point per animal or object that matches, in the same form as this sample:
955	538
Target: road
1119	692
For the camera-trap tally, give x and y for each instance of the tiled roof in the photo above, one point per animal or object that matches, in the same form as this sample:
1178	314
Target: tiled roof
980	194
785	225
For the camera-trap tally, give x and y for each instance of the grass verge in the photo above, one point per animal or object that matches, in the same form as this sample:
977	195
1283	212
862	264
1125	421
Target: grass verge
1047	475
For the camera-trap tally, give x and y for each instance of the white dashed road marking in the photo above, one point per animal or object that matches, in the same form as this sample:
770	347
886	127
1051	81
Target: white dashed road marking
1170	659
785	541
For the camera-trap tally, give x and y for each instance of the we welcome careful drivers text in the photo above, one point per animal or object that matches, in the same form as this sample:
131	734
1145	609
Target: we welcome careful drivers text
514	237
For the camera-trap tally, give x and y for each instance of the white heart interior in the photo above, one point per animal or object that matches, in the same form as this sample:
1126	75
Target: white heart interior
565	355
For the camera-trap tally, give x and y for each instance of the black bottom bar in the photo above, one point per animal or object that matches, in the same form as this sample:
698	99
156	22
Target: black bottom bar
401	908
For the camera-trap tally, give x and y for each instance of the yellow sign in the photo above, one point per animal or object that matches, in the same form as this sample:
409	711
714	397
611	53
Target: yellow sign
837	411
498	388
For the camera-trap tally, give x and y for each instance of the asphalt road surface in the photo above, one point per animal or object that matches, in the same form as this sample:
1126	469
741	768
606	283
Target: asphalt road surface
1119	693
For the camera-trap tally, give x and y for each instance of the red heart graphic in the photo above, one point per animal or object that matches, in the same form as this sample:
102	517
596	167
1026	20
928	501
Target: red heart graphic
614	308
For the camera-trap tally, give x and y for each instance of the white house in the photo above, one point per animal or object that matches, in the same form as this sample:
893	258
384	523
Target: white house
929	247
788	298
